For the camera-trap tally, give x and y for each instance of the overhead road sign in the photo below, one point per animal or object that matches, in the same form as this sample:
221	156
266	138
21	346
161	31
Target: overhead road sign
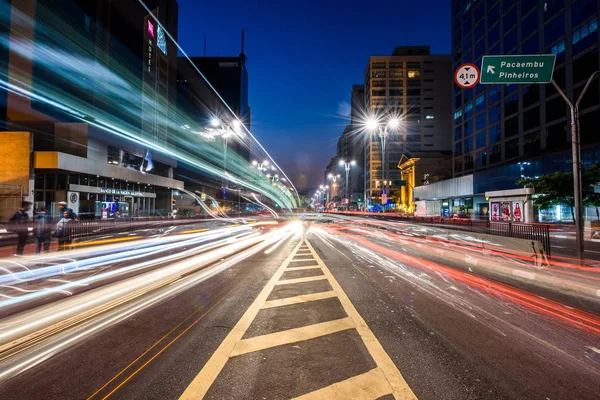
537	68
466	76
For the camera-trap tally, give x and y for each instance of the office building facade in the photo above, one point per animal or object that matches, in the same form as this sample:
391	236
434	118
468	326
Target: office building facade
503	126
80	62
416	87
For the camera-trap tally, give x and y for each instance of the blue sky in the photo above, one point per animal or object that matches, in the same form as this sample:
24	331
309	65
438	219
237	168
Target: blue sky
303	58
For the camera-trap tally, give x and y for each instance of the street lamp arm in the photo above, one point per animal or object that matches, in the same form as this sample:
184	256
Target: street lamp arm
587	85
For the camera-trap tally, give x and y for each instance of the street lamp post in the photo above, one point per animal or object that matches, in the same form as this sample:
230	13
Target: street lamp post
261	166
225	131
383	131
334	178
347	168
576	151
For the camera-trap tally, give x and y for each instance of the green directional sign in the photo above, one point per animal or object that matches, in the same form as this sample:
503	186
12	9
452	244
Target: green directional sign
535	68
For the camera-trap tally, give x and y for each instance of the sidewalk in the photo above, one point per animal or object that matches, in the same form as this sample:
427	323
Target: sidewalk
9	251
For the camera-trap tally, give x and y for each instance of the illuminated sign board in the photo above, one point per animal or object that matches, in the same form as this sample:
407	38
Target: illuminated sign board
150	28
121	192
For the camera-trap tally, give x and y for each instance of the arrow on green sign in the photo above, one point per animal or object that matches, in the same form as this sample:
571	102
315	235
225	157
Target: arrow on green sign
517	69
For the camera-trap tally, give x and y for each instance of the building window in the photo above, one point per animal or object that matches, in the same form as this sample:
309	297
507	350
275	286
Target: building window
494	94
529	25
114	155
413	92
468	161
378	92
496	153
396	83
429	116
378	84
396	65
458	148
558	48
458	133
378	65
377	74
480	140
480	102
495	134
554	30
510	40
412	74
480	121
584	31
494	114
493	33
512	148
531	45
396	92
457	114
481	159
555	109
531	95
582	9
468	146
511	104
531	119
511	126
531	143
396	73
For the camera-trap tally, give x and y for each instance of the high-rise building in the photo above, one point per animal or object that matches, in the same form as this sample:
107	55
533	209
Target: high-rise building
229	77
83	69
503	132
416	87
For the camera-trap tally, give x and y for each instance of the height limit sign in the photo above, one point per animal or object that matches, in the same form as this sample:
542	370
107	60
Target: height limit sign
466	76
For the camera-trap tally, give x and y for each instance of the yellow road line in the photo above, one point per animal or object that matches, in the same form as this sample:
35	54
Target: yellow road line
299	299
291	336
195	230
202	382
302	268
300	280
303	259
370	385
365	385
400	388
104	241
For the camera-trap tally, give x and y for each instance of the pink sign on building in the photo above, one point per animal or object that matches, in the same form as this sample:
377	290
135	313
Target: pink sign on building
150	28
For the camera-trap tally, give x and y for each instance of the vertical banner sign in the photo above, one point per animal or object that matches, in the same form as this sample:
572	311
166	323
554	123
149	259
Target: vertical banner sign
73	201
495	211
517	212
505	211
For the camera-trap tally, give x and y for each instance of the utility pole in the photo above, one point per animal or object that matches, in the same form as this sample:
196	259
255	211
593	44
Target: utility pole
576	152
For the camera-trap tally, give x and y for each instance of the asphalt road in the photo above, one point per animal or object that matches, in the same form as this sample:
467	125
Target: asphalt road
339	310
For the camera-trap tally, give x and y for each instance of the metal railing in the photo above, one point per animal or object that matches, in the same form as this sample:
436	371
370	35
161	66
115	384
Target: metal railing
507	229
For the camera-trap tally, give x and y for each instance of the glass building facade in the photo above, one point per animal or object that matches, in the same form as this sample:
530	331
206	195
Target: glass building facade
498	126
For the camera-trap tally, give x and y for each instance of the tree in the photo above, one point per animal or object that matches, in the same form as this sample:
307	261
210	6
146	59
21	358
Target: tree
557	188
397	198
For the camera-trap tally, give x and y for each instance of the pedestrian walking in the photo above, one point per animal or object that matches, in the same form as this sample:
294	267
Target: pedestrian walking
62	207
42	228
63	233
19	224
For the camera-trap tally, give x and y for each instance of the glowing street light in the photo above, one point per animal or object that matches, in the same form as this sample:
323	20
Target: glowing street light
347	168
383	130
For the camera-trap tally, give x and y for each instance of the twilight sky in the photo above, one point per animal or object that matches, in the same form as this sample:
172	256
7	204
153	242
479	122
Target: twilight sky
303	58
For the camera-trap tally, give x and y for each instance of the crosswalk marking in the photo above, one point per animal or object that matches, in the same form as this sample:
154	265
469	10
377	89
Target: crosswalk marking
299	299
370	385
303	268
291	336
301	280
383	380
